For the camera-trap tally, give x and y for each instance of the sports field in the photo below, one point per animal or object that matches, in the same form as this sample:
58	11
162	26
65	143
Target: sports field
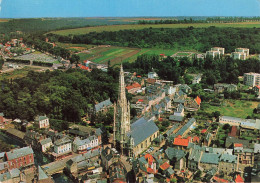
86	30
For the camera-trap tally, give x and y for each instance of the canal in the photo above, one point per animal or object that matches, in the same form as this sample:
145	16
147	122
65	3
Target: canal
39	158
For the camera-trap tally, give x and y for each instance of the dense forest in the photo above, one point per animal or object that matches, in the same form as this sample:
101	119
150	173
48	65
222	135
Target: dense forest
60	95
200	20
49	24
200	39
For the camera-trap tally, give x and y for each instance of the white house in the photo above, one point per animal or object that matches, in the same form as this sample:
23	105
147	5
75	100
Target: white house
179	111
81	146
46	144
152	75
43	122
62	146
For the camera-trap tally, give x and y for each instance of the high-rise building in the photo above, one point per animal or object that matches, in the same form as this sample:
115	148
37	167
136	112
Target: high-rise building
252	79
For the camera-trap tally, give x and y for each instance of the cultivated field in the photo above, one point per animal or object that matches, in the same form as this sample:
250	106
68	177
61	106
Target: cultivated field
101	54
86	30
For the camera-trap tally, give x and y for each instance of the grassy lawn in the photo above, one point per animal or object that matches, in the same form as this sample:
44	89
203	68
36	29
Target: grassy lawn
235	108
86	30
18	73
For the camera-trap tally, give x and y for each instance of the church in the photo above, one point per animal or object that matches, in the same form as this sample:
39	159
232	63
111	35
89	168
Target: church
130	138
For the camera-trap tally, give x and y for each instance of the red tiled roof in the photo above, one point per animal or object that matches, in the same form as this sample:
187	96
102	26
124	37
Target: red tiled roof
138	76
140	100
165	166
181	142
257	87
238	145
28	48
239	179
233	132
149	170
162	54
83	67
150	80
196	139
150	158
203	131
134	85
179	136
198	100
219	179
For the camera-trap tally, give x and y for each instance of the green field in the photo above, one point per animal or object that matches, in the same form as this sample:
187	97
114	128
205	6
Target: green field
86	30
235	108
101	54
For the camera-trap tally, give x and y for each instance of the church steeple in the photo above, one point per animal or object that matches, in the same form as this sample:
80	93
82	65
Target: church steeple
122	115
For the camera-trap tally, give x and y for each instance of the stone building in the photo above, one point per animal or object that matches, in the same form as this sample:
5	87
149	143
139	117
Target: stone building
130	139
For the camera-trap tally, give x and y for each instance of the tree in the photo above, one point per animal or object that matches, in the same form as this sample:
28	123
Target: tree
74	59
1	63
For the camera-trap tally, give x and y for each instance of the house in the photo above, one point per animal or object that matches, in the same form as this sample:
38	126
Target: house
239	179
20	158
195	154
209	161
117	172
43	122
208	139
78	166
152	75
221	87
185	88
103	106
228	164
3	120
233	132
62	147
179	111
245	157
106	157
187	127
196	79
256	148
176	118
43	177
230	141
12	176
81	146
193	104
46	144
133	88
256	89
177	157
181	143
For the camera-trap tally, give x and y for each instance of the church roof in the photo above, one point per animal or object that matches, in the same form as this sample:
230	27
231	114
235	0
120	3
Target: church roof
141	130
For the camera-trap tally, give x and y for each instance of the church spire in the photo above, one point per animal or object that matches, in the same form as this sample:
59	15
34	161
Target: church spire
122	115
121	96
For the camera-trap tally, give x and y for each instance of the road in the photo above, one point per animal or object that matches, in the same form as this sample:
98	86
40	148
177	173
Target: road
57	166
